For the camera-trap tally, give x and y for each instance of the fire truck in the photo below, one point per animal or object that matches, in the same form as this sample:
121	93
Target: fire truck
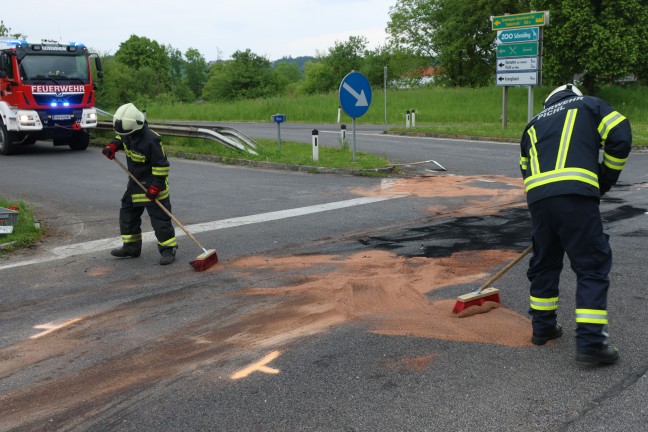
46	92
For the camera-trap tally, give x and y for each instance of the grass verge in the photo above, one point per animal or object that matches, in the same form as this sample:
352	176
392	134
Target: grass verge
25	232
293	153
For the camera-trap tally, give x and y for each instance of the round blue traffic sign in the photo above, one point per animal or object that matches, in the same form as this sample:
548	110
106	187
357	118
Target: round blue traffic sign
355	94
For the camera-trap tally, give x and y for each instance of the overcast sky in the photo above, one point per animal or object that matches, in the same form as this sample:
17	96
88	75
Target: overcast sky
217	29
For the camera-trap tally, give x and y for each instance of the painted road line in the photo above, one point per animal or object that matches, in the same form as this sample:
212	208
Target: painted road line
105	244
50	327
260	366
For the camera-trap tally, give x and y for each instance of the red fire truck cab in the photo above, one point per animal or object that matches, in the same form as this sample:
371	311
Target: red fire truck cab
46	92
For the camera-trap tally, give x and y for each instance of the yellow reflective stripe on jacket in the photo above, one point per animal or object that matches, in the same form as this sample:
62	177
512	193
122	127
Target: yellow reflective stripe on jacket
524	163
613	162
134	156
160	171
608	123
591	316
565	138
169	243
544	304
131	238
533	152
578	174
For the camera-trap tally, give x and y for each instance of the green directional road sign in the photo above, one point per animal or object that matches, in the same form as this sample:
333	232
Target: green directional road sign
530	19
518	50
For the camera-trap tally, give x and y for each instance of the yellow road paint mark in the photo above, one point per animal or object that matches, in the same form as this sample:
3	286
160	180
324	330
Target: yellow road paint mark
259	366
50	327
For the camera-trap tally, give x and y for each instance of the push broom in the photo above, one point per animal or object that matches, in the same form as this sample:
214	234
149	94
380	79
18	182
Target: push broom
485	293
203	261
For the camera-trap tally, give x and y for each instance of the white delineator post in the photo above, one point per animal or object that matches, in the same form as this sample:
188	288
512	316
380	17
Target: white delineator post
315	145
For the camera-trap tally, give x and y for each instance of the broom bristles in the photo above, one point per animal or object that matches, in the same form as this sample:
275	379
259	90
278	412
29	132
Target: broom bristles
204	260
467	300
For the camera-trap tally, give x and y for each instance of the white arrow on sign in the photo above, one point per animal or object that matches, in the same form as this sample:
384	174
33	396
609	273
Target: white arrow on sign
361	98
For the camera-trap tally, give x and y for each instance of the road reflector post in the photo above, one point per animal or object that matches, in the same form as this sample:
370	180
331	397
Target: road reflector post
339	114
342	135
407	119
413	118
315	145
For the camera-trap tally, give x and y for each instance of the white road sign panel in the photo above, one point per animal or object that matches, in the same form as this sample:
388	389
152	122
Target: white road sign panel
517	64
517	79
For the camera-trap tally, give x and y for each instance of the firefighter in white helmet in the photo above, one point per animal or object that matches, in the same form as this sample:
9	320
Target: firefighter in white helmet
564	181
148	163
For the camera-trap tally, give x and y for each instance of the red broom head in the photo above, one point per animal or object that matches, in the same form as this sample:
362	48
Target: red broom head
204	261
469	300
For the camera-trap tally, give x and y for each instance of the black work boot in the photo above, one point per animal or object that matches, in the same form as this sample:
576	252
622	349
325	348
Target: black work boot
123	252
541	339
605	355
168	256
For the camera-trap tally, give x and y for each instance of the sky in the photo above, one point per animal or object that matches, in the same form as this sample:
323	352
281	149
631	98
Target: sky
217	28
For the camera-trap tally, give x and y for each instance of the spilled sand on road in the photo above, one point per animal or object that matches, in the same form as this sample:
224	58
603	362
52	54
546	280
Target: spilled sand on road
487	194
388	293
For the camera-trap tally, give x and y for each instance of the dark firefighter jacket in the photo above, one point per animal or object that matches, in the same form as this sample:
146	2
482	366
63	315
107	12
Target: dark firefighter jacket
560	148
146	161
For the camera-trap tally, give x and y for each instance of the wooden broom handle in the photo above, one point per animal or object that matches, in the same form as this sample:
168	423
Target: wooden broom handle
186	231
507	268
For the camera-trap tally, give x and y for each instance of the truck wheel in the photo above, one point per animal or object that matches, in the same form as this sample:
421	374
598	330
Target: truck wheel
6	139
79	141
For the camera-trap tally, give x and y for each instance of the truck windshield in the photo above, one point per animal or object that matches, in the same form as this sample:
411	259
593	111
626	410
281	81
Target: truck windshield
42	68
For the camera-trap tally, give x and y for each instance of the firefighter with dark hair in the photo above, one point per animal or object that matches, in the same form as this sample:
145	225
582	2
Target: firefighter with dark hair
564	179
148	163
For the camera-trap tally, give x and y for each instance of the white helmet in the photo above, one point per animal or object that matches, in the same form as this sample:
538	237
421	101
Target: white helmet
128	119
567	87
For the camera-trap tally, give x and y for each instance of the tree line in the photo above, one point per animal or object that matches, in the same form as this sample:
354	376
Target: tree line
598	41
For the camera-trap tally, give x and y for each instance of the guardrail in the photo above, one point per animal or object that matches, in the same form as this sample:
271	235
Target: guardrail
227	136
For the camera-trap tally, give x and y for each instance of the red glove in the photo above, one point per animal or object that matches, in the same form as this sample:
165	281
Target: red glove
110	150
153	192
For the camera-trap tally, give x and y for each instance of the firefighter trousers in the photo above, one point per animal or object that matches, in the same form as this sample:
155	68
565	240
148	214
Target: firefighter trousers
571	224
130	221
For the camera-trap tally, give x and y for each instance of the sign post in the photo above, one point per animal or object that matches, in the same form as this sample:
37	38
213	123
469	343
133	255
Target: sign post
519	54
279	118
355	99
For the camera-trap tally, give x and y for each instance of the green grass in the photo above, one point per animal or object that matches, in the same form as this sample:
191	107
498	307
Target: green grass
461	111
24	233
293	153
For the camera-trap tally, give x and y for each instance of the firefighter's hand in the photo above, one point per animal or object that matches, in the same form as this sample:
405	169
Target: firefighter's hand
153	192
109	151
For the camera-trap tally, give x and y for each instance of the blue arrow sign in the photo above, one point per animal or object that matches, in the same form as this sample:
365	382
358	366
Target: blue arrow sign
355	94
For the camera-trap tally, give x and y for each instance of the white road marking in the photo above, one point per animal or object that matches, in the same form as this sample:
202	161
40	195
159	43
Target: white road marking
109	243
50	327
260	366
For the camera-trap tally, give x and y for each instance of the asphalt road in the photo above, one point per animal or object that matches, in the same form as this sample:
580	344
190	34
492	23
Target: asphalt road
329	309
